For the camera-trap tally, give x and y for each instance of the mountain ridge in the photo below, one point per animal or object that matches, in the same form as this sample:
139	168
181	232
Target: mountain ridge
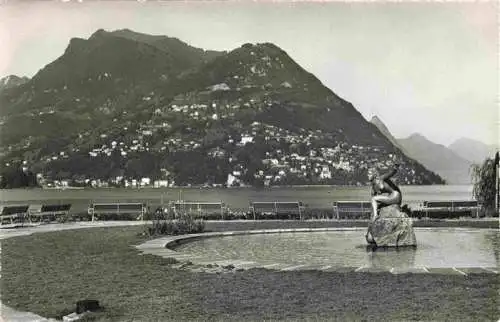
375	120
473	150
438	158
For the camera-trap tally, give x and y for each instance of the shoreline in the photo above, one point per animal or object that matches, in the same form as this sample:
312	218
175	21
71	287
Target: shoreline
224	188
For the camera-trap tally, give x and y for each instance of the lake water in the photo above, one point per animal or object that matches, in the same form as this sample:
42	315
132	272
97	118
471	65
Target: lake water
235	198
436	248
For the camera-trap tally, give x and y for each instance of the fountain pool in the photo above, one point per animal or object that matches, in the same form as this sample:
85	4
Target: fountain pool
436	248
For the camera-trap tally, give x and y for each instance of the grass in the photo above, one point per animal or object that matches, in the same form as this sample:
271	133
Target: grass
47	273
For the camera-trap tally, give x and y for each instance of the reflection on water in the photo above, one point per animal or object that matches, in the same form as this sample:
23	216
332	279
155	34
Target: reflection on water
436	247
387	258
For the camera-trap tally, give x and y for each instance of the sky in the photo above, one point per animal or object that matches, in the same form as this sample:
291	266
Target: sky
426	67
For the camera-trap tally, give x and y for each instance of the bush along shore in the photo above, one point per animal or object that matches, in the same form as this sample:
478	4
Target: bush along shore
189	224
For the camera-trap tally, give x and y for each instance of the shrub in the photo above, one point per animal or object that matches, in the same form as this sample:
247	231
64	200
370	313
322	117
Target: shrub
184	224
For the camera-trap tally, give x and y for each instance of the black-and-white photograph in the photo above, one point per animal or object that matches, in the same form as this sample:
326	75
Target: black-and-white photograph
244	160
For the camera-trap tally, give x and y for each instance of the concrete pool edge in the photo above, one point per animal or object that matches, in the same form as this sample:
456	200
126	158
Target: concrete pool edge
163	247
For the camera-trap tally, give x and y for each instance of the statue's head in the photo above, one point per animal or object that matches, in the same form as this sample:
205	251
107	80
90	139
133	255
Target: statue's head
375	180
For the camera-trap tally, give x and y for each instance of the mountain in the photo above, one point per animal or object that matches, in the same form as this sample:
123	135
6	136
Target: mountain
438	158
106	74
472	150
12	81
385	131
122	105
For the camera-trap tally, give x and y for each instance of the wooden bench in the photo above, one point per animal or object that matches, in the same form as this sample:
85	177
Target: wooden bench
50	212
276	208
451	209
352	209
199	209
14	214
97	210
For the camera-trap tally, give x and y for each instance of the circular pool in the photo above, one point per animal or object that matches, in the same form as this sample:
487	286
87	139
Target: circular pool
437	247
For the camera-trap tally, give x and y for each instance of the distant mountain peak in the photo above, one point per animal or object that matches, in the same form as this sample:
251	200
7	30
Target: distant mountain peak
438	158
473	150
12	81
375	120
98	32
464	140
418	136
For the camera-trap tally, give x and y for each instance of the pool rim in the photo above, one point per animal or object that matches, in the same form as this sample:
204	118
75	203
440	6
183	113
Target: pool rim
165	247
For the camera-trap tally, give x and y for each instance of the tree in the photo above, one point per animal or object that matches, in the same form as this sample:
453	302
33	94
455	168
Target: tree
484	181
13	177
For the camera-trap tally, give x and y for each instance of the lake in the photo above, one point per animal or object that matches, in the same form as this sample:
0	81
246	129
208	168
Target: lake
235	198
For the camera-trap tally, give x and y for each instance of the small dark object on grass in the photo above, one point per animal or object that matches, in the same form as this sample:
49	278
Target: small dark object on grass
87	305
230	267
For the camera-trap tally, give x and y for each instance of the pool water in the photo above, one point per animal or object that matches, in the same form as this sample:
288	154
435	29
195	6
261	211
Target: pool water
436	248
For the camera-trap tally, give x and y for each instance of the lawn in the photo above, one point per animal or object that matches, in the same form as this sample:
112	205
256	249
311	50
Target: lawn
47	273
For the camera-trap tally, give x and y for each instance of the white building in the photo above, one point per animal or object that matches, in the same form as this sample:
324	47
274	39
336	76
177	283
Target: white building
145	182
325	173
160	183
246	139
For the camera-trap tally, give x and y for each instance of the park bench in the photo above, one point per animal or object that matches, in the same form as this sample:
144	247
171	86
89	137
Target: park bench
117	210
14	214
277	209
209	210
50	213
451	209
352	209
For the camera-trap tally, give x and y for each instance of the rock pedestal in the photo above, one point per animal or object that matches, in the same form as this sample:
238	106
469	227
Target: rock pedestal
391	228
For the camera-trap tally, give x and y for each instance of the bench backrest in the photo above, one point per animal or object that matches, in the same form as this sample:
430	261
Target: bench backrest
276	206
205	207
56	208
353	206
118	207
450	204
352	209
470	203
13	210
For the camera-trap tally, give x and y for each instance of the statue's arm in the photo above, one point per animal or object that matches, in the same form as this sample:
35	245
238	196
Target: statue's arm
388	175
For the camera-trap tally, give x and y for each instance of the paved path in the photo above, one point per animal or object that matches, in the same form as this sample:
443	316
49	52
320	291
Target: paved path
8	314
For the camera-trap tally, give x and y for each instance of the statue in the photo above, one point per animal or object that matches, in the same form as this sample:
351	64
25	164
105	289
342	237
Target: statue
389	225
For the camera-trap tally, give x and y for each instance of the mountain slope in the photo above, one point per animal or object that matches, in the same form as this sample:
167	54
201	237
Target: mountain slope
438	158
473	150
129	105
385	131
283	92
